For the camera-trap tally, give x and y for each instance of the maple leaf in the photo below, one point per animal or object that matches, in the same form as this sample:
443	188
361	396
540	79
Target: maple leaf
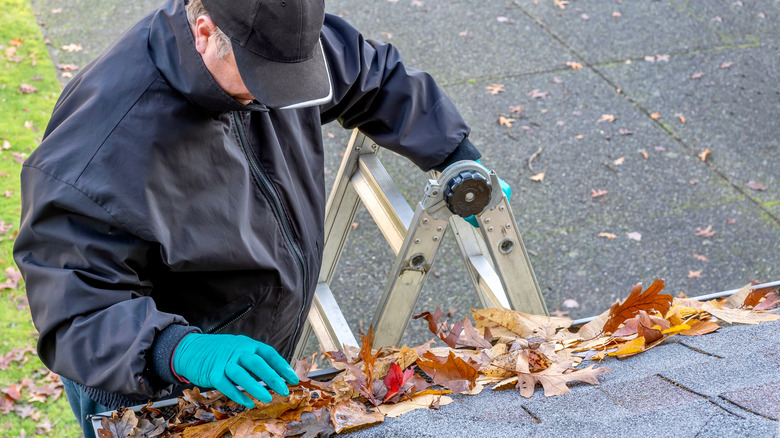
638	300
395	380
312	427
704	232
503	121
495	88
451	372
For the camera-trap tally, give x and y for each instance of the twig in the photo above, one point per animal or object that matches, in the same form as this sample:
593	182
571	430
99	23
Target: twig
532	158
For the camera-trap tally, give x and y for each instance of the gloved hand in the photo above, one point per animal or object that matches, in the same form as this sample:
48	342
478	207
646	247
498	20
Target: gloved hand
504	188
224	361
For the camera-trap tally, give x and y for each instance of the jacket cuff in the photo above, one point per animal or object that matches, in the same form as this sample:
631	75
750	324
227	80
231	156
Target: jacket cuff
465	151
162	351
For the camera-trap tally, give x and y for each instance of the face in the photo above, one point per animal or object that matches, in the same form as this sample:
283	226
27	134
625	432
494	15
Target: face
224	71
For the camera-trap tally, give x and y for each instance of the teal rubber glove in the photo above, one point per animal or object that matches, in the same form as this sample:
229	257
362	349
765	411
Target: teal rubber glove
224	361
504	188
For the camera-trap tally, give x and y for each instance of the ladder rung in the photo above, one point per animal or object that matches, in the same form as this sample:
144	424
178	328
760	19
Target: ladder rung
328	321
382	199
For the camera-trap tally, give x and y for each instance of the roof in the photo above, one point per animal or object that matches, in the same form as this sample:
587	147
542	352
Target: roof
723	384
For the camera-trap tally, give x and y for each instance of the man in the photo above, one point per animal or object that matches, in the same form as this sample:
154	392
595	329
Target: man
172	217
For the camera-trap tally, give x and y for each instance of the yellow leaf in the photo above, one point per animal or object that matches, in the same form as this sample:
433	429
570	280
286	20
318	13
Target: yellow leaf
676	329
630	348
421	402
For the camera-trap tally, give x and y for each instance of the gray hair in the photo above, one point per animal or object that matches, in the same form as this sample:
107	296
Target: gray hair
194	10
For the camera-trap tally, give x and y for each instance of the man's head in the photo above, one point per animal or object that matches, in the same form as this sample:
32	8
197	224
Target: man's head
276	54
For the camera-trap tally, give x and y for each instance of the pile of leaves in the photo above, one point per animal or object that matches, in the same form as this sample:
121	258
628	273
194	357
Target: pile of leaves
502	348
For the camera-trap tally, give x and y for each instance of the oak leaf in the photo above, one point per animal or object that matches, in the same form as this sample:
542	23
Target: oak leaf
504	121
118	425
638	300
521	324
495	88
737	316
348	415
555	378
451	372
312	427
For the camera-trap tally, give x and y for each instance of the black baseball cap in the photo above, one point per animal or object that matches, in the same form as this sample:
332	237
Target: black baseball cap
277	48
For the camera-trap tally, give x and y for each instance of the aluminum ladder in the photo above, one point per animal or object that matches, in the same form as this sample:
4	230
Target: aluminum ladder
494	254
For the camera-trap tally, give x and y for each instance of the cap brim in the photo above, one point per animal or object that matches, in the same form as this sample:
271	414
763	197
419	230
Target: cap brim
285	85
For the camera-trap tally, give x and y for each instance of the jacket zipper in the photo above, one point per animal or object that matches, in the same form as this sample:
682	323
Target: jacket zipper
264	182
222	325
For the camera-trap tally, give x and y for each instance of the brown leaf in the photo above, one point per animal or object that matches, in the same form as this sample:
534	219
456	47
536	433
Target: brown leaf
495	88
536	94
555	378
471	337
704	154
451	372
443	330
27	89
574	65
648	300
12	276
349	415
516	109
119	425
539	177
771	300
521	324
701	328
608	236
704	232
312	427
694	274
503	121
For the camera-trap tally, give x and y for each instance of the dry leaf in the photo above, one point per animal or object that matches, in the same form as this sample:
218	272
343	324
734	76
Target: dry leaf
700	328
503	121
597	193
607	118
701	258
754	185
27	89
423	401
697	75
349	415
452	373
516	109
539	177
694	274
555	378
704	154
650	299
634	236
495	88
681	117
608	236
574	65
737	316
619	161
655	116
704	232
72	48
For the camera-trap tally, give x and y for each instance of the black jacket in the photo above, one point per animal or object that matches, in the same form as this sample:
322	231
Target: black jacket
157	205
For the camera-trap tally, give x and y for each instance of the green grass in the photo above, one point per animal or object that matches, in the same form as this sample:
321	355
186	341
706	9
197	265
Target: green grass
24	118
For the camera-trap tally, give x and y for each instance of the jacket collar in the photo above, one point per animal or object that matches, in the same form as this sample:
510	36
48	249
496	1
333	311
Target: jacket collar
172	49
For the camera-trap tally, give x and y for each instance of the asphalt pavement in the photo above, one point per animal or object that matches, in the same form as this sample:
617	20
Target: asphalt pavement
655	124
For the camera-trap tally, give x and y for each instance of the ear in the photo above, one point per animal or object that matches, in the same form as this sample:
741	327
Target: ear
202	31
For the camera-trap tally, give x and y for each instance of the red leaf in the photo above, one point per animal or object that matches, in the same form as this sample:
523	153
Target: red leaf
396	379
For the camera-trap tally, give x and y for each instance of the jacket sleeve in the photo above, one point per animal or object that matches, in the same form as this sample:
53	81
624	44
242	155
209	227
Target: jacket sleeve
87	295
400	108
